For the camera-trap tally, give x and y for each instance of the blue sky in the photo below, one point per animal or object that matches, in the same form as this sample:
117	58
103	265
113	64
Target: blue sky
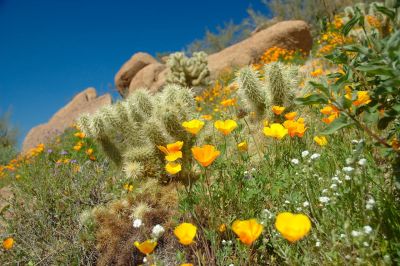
52	49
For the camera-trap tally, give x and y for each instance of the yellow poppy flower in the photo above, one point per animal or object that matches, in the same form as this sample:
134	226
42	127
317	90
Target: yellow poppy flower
247	230
329	119
172	151
207	117
225	127
146	247
80	135
8	243
222	228
228	102
185	232
173	168
362	98
278	109
77	147
321	140
89	151
276	131
205	155
242	146
193	126
291	115
295	128
186	264
292	227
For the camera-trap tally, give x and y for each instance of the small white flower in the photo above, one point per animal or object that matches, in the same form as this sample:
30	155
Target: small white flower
137	223
324	199
157	231
325	190
287	202
337	172
347	257
354	141
298	209
231	264
362	162
342	235
349	161
347	177
317	244
223	242
315	156
144	260
305	154
295	161
334	186
370	204
253	170
348	169
230	242
367	229
306	204
365	244
335	179
246	172
355	233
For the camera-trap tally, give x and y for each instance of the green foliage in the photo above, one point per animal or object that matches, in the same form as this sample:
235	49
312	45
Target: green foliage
188	72
8	139
130	131
371	72
276	86
47	209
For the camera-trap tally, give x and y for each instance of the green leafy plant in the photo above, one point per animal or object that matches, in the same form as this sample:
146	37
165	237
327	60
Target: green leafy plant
366	91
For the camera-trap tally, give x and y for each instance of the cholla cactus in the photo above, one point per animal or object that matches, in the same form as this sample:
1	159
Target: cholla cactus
129	131
276	87
189	72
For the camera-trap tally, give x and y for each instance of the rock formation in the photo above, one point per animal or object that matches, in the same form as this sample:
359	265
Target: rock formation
142	70
85	102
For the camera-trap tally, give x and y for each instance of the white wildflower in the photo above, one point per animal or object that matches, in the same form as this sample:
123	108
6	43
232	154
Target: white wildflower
295	161
157	231
367	229
305	154
348	169
317	244
355	233
335	179
334	186
287	202
347	257
347	177
362	162
137	223
315	156
306	204
223	242
325	190
365	244
354	141
370	204
342	235
144	260
349	161
324	199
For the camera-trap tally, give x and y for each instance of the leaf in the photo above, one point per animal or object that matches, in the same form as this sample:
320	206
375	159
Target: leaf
337	124
384	122
320	86
388	12
350	24
312	99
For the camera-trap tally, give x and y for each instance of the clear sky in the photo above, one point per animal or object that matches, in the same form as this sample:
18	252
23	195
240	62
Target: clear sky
52	49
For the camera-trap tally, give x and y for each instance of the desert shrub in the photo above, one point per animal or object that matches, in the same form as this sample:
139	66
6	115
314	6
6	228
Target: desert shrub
52	189
8	139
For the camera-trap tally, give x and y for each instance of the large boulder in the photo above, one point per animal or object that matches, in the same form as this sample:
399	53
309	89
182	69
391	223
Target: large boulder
148	77
85	102
294	34
124	76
